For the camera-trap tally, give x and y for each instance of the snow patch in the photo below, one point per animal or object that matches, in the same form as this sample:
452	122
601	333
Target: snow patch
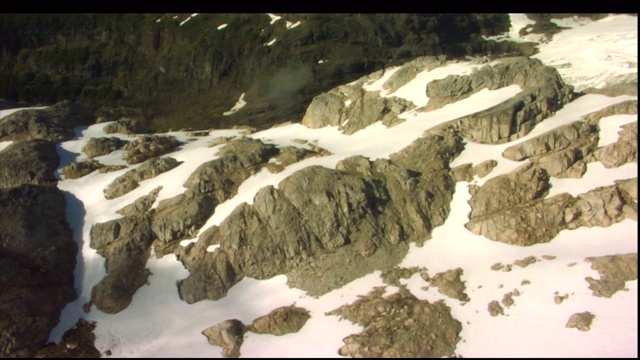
239	105
289	25
222	26
274	18
5	144
270	42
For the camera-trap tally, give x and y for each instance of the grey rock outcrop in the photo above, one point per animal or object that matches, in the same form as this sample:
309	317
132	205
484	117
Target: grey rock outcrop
77	170
463	172
174	219
236	161
229	335
543	94
560	151
466	172
28	162
494	308
125	243
630	186
522	185
38	257
147	147
102	146
409	70
623	151
484	168
55	123
360	217
127	126
629	107
399	325
514	211
281	321
147	170
181	217
141	204
291	155
581	321
351	108
450	284
615	271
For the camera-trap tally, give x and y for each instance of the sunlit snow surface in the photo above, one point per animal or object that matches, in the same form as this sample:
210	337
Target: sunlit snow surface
159	324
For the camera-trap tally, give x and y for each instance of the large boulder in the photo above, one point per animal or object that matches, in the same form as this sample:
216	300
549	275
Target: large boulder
229	335
281	321
37	260
28	162
55	123
127	126
98	146
77	170
147	147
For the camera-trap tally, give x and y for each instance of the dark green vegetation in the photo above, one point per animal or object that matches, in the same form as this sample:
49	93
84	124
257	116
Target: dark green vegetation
172	76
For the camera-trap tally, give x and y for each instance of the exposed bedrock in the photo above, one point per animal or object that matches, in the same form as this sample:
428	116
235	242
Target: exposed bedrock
399	325
28	162
55	123
98	146
360	217
127	126
543	93
560	152
77	170
614	270
37	260
130	180
352	108
623	151
147	147
125	243
512	208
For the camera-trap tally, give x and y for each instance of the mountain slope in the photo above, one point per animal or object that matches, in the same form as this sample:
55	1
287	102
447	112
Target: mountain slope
378	186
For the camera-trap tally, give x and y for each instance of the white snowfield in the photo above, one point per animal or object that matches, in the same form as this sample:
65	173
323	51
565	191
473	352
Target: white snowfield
159	324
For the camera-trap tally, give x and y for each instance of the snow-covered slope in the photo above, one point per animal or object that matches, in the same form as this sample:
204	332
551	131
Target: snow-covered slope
159	324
